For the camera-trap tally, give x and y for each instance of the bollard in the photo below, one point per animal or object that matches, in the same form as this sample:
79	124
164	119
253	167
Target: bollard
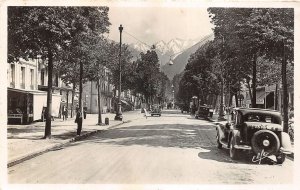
106	121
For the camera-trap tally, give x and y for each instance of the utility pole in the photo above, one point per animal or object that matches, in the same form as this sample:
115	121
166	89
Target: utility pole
119	115
221	110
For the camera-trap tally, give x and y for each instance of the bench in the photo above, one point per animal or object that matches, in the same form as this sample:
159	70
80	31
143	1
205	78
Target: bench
15	116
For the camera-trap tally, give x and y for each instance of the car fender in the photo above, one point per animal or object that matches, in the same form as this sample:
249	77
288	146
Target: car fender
286	141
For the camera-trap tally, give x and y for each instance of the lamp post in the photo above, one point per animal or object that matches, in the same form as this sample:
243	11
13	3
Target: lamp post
221	110
119	115
173	96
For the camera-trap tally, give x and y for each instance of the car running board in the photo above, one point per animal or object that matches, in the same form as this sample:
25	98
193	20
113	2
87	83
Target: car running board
240	147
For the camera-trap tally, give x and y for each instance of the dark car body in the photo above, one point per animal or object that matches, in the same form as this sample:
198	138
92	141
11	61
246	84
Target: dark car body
257	130
184	108
155	110
202	112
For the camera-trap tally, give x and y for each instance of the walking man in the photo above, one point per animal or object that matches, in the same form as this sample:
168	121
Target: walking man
64	113
78	120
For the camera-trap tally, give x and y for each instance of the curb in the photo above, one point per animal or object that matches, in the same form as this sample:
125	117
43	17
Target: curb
57	146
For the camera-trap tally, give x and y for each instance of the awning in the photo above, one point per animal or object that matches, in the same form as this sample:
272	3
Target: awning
26	91
260	97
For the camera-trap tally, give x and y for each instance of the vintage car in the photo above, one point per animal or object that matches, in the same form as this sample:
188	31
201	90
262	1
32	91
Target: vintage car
258	130
202	112
184	108
155	110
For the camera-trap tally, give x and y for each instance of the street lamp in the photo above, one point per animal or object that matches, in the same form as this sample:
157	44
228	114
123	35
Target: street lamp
119	115
173	96
221	110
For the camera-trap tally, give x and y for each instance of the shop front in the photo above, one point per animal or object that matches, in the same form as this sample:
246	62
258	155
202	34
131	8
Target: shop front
26	106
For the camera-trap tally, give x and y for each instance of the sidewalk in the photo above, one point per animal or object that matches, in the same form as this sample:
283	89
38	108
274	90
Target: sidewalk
24	141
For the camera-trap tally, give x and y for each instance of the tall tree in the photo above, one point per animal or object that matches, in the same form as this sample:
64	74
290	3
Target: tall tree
147	74
45	31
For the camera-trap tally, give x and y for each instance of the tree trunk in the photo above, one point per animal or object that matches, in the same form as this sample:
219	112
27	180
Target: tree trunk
236	100
230	98
285	92
73	94
221	109
276	97
99	102
253	100
249	87
67	107
80	87
49	95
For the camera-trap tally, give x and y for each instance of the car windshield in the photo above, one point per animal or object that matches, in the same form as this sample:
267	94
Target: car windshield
261	118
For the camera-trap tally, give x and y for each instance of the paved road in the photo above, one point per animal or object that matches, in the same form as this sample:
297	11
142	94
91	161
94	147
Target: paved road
170	149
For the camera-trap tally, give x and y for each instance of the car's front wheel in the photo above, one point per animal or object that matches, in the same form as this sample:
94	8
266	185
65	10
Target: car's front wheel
233	151
280	158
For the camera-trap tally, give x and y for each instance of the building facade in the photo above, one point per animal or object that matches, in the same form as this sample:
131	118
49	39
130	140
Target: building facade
27	91
266	97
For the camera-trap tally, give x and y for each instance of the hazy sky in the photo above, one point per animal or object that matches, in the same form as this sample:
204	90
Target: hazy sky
152	24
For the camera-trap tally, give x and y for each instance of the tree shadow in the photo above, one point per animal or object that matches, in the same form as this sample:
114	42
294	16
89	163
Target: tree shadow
222	155
17	131
167	135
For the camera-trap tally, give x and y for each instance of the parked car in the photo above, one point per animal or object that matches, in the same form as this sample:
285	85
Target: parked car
258	130
202	112
155	110
184	108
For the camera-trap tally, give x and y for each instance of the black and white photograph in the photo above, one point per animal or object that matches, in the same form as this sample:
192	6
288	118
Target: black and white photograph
148	95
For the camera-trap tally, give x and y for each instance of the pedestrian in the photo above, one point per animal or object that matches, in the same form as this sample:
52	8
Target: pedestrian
145	113
64	113
78	120
84	112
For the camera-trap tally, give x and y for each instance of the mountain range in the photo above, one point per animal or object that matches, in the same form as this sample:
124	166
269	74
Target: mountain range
180	61
177	50
166	50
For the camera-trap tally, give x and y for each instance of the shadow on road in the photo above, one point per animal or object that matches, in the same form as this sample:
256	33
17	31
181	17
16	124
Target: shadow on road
200	137
177	136
222	155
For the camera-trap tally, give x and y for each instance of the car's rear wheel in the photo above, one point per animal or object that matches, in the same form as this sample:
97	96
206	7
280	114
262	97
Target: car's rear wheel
265	141
233	151
280	158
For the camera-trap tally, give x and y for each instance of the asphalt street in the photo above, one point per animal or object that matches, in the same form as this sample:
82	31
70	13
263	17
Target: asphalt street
171	149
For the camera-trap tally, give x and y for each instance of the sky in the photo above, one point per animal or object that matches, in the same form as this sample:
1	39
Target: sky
152	24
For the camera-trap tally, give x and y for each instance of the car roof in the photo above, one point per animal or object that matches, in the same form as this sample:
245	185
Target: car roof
258	111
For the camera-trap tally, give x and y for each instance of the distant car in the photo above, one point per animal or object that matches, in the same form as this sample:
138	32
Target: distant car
202	112
184	108
256	130
155	110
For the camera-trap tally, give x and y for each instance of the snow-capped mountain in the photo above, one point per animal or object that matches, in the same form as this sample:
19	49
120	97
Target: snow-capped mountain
180	61
140	47
166	50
